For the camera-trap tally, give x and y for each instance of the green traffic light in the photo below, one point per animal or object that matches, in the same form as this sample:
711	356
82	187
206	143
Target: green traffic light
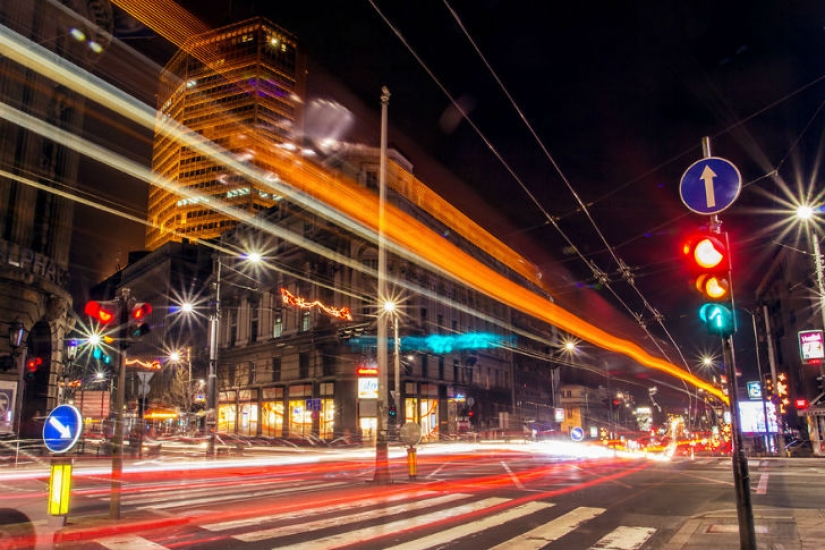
718	319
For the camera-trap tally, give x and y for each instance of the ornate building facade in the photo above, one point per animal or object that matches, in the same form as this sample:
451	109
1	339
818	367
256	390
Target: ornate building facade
35	220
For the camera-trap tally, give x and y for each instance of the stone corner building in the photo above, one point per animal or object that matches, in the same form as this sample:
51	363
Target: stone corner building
35	222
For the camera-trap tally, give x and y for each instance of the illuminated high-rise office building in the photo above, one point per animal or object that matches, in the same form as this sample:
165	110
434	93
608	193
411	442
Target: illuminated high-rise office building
240	87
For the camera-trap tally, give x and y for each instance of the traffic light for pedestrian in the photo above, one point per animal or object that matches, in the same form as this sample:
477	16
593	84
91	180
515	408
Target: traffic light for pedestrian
801	404
103	312
709	264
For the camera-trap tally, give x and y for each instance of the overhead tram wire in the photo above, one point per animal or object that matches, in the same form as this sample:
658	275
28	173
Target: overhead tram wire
461	266
597	272
512	173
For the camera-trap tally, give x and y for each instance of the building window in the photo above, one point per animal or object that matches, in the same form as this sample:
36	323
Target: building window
441	367
252	377
276	369
278	325
303	365
455	370
424	361
439	321
371	179
233	328
253	324
306	320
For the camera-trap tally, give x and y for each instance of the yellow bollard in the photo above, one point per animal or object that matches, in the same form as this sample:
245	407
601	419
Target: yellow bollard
412	462
60	486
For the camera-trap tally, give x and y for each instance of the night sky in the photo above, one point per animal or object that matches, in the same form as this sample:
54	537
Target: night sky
618	95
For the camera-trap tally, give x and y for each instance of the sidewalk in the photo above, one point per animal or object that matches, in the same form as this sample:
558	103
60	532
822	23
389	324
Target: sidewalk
776	529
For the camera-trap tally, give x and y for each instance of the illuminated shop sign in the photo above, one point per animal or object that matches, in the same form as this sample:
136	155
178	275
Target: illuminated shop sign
811	347
367	388
367	371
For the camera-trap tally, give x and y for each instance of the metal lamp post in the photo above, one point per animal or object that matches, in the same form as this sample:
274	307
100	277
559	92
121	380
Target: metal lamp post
382	470
212	374
16	334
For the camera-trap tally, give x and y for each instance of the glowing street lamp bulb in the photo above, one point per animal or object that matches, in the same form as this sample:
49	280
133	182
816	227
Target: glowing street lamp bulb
187	308
94	339
804	212
174	356
253	257
389	307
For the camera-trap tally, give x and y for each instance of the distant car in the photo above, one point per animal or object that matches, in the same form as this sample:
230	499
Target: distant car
799	448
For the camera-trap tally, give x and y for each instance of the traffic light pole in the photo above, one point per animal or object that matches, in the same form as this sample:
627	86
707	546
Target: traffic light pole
741	476
120	399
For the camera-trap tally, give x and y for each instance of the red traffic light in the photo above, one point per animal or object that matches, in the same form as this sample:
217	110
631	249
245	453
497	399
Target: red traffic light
706	253
140	311
33	363
104	312
801	404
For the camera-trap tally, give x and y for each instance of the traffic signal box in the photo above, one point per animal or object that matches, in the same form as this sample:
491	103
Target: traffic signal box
709	264
135	325
103	312
138	316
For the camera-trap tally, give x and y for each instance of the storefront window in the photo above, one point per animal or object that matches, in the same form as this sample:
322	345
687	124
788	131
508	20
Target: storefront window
248	421
429	419
272	419
326	426
300	419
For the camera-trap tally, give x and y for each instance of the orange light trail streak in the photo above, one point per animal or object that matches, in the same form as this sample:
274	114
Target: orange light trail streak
361	205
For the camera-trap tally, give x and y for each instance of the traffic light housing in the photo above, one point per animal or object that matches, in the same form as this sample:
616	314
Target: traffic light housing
32	365
103	312
709	264
139	313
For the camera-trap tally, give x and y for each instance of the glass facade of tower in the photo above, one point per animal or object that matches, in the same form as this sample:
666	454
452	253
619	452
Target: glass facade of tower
239	87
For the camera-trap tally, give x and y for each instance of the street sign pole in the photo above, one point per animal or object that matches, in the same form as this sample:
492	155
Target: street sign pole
708	187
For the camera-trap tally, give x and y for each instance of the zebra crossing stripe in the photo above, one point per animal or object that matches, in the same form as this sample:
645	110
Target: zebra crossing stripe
624	538
540	537
154	505
378	513
368	533
494	520
343	507
128	542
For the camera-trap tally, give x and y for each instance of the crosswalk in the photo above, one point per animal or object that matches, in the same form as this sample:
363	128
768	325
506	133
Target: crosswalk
417	519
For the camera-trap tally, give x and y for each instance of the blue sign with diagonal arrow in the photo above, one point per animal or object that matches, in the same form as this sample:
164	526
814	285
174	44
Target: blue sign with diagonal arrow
62	428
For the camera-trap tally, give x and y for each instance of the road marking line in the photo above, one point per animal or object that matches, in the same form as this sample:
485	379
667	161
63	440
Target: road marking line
129	542
437	470
495	520
351	505
368	533
222	497
337	521
541	536
624	538
516	481
762	488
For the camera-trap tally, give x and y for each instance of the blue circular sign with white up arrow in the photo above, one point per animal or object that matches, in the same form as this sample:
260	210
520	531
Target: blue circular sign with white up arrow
710	185
62	428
